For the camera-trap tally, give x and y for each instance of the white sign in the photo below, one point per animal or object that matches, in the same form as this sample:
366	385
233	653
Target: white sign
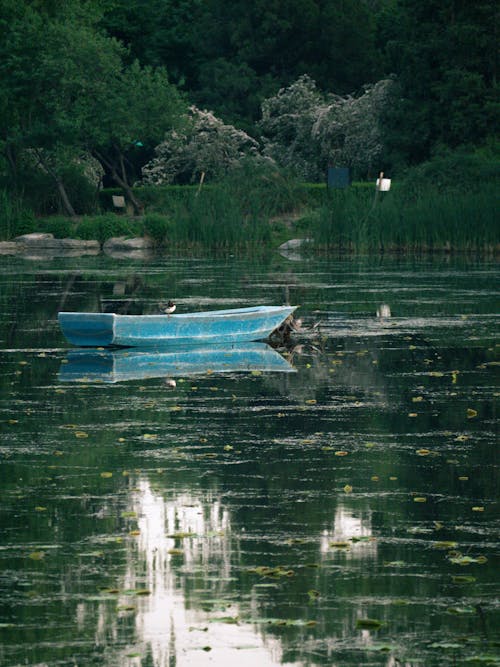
383	184
118	201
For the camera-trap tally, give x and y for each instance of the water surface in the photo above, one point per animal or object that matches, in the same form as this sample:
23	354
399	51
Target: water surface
342	513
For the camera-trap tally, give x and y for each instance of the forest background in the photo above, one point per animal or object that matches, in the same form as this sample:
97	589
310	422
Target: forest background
250	100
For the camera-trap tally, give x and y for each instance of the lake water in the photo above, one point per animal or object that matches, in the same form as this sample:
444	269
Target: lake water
340	510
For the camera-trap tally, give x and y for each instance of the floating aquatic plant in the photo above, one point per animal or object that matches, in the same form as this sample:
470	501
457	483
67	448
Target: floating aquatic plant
445	544
275	572
462	579
368	624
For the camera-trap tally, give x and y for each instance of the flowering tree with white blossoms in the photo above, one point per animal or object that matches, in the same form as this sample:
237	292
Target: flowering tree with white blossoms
287	121
307	130
204	148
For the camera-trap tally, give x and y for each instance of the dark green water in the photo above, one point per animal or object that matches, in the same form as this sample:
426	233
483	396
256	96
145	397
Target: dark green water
254	518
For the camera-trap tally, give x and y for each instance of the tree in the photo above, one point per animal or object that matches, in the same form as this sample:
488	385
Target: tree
65	91
40	85
445	56
229	57
306	130
205	147
137	109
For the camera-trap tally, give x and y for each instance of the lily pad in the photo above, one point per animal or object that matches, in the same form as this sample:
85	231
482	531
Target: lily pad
275	572
313	594
368	624
463	579
461	610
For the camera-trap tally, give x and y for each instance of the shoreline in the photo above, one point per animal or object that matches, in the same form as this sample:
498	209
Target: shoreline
41	244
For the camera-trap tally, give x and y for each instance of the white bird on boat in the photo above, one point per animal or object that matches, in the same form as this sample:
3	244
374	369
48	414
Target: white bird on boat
168	308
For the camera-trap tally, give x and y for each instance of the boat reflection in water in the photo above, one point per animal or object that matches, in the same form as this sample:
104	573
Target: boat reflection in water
99	365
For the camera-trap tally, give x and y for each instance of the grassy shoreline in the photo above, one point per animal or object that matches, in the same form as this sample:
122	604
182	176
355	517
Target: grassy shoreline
232	215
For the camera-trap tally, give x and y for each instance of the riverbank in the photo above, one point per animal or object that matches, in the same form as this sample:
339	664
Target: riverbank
358	219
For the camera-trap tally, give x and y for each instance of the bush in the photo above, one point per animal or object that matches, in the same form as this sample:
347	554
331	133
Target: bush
103	227
458	170
158	227
62	227
40	194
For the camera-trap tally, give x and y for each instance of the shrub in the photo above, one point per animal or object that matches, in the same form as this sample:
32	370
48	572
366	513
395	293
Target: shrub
158	227
62	227
103	227
458	170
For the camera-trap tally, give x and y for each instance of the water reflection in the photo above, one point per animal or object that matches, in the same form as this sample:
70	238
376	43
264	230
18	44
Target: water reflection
350	534
177	538
121	365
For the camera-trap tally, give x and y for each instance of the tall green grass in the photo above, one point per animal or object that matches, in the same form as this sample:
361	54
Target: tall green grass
15	217
217	218
430	220
232	213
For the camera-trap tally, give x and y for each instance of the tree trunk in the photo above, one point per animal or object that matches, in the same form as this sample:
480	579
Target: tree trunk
65	199
129	193
68	207
12	162
121	181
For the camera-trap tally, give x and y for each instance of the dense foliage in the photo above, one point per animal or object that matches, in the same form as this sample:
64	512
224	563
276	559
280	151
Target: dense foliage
66	91
96	86
232	55
445	55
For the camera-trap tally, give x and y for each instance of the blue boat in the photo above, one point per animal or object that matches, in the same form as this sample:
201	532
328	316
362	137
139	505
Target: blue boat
203	328
86	366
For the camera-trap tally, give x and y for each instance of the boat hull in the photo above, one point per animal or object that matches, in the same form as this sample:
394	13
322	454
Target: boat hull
203	328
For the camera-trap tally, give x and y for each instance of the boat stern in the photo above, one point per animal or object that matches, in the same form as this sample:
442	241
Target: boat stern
87	329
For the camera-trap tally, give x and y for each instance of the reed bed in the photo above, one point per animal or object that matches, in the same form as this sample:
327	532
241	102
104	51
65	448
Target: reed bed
394	221
256	210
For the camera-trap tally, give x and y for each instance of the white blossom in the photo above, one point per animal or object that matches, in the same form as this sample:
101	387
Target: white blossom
307	130
205	145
